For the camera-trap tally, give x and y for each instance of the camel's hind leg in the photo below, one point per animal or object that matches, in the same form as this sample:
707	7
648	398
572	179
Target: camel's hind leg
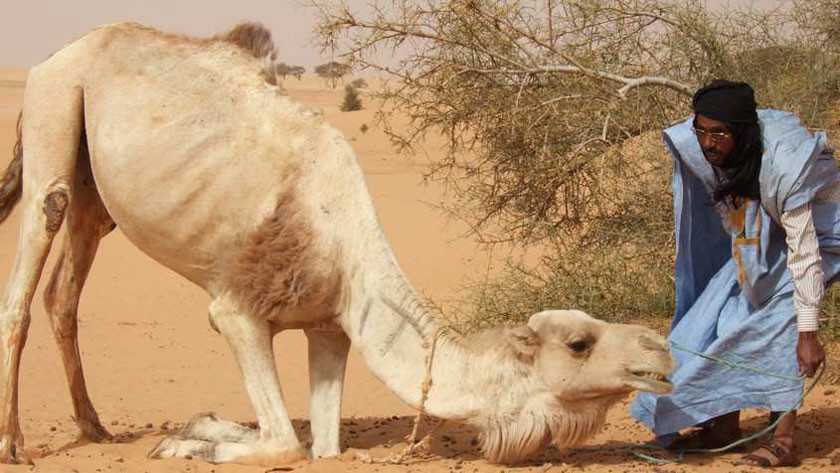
86	223
211	440
52	124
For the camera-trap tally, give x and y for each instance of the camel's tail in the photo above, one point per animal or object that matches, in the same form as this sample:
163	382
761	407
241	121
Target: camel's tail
10	184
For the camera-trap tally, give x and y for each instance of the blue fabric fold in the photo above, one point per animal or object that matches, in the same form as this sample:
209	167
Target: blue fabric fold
733	290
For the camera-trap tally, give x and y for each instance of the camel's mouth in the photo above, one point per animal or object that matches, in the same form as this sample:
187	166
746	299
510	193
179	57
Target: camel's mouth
650	381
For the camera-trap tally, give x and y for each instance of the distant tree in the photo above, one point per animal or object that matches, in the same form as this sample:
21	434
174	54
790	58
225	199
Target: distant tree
352	101
281	69
332	72
297	71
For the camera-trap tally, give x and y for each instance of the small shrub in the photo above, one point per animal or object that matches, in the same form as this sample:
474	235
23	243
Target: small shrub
359	84
352	101
364	128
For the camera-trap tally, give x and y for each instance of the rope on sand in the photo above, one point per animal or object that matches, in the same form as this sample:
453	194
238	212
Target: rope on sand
413	443
739	442
424	396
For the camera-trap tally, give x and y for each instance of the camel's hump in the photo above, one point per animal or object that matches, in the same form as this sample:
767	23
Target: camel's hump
254	38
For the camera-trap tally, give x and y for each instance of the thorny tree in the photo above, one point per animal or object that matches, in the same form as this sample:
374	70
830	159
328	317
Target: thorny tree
535	97
536	89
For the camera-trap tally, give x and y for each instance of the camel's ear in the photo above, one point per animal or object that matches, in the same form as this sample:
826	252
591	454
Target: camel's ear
524	341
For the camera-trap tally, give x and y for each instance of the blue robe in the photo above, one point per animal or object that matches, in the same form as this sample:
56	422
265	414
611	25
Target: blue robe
734	294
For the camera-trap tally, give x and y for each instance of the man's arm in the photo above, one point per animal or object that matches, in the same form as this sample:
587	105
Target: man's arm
804	264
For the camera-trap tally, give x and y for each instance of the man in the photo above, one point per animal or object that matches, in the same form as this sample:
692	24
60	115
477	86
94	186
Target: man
757	211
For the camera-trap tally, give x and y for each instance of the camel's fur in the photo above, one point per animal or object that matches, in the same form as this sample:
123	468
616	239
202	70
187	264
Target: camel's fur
210	170
278	267
253	38
512	435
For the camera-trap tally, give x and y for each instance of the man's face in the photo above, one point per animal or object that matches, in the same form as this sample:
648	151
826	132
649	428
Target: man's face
715	138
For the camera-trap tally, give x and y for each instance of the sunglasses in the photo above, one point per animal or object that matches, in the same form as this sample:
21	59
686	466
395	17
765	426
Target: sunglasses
716	136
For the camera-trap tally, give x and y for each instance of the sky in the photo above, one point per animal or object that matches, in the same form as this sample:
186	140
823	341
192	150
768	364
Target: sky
31	30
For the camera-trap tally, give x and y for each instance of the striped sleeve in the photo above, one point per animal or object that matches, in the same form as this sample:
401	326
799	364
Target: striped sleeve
804	264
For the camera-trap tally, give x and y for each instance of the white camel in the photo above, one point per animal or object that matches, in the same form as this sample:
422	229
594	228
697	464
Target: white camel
194	152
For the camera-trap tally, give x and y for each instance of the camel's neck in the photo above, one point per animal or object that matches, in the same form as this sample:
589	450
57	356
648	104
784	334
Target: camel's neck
383	315
394	332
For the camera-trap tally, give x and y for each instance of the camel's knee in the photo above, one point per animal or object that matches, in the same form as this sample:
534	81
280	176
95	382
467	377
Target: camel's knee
55	206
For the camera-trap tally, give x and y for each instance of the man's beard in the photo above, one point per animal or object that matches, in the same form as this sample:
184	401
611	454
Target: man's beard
714	158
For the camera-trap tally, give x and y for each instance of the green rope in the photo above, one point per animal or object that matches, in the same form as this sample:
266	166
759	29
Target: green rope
733	364
739	442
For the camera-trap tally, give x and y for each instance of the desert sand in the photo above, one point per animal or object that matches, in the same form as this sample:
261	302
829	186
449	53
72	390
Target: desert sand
152	360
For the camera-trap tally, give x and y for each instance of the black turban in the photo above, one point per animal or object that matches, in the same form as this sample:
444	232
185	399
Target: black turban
722	100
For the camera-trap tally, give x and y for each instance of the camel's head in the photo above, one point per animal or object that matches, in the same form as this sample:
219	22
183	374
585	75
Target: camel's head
579	366
579	357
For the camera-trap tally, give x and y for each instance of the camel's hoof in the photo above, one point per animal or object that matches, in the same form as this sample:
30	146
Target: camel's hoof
176	446
12	453
195	425
206	426
260	453
95	433
316	453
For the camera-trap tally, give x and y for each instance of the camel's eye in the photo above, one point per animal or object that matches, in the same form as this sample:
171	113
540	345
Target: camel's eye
579	346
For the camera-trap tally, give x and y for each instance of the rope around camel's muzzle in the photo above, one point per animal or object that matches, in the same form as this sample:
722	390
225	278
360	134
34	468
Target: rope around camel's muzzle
427	384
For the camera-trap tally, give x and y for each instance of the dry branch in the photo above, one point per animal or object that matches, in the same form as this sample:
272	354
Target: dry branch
529	92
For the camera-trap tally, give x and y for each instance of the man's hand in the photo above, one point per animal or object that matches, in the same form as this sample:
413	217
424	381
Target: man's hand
809	353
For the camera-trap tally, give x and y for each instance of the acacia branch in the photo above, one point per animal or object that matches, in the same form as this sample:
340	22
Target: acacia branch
629	83
527	106
401	31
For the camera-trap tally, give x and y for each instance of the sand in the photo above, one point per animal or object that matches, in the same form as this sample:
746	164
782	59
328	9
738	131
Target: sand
152	360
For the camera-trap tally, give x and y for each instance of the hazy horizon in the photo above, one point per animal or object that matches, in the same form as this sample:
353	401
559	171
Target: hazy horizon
32	30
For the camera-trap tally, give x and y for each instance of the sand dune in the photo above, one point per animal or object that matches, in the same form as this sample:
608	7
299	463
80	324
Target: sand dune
152	361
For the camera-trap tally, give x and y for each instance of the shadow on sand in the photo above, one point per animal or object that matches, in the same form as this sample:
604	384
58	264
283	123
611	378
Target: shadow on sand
818	435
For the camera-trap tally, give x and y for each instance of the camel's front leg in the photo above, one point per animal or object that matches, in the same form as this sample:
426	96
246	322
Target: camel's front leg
276	442
327	359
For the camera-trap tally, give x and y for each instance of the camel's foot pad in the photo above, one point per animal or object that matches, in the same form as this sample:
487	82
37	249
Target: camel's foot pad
210	439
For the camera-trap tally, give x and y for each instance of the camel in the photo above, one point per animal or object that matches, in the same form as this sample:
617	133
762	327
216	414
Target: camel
199	158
